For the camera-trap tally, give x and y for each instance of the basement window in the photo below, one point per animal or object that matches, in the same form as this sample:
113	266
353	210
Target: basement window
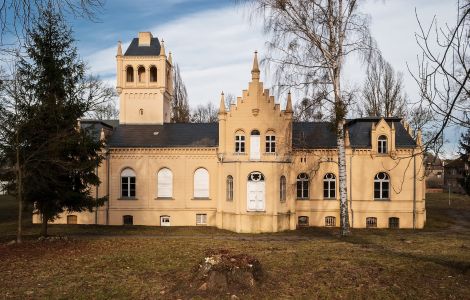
330	221
371	222
127	220
201	219
303	221
393	222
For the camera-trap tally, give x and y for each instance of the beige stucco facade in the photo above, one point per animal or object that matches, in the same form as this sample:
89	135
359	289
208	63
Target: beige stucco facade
256	200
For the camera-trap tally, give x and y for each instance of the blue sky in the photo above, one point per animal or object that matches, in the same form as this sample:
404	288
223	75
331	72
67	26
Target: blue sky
213	41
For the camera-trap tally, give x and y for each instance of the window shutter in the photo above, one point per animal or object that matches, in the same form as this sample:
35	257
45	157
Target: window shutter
165	183
201	183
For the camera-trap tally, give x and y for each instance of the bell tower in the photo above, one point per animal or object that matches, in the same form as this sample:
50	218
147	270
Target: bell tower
144	81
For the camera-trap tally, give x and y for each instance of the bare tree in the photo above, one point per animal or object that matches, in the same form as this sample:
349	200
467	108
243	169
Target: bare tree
383	91
205	113
99	98
443	72
309	42
229	100
17	16
180	107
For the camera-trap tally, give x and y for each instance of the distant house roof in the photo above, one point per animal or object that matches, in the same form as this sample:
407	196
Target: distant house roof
166	136
135	50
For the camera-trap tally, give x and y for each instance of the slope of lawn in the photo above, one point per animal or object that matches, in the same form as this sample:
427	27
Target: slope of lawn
145	262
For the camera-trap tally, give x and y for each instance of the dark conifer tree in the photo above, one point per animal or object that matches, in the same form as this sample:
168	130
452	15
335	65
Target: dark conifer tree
61	173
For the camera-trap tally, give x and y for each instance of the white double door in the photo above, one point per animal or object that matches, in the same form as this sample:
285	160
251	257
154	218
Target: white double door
256	196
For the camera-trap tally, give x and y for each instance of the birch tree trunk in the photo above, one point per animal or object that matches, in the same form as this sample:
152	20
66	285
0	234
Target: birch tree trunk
343	202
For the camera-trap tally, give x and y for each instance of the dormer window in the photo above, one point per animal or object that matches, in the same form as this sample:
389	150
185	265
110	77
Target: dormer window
382	144
153	74
130	74
141	74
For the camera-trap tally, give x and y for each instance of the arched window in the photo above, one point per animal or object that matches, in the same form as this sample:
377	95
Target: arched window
270	142
127	220
201	183
303	221
229	188
127	183
72	219
153	74
165	183
393	222
130	74
330	221
141	74
239	142
381	186
302	186
283	188
382	144
371	222
329	186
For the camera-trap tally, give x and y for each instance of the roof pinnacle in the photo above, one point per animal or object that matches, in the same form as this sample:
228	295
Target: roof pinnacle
222	104
255	70
289	103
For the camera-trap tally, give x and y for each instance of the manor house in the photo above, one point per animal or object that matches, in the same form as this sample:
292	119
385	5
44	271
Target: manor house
255	170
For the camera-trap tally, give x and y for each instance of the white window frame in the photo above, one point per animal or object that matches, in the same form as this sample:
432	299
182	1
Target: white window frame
125	180
270	143
371	222
382	179
201	183
165	183
382	142
330	221
201	219
304	180
255	145
329	186
240	143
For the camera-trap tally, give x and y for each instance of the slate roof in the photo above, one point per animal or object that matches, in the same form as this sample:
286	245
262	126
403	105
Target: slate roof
321	135
166	136
305	135
135	50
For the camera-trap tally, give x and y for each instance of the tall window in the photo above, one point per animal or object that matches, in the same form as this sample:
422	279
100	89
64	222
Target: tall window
130	74
381	186
201	183
255	145
153	74
329	186
270	143
127	220
371	222
382	144
393	222
165	183
127	183
239	142
141	74
283	189
229	188
302	186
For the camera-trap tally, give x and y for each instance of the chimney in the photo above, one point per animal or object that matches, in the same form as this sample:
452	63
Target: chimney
145	38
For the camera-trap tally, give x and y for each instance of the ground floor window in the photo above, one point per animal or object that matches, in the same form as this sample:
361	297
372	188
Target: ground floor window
164	220
201	219
128	220
393	222
72	219
330	221
303	221
371	222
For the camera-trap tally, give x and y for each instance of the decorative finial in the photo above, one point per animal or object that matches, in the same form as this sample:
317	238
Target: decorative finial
255	71
289	103
222	104
419	139
119	49
162	48
170	59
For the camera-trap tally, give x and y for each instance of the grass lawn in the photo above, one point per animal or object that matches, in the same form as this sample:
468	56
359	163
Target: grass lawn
145	262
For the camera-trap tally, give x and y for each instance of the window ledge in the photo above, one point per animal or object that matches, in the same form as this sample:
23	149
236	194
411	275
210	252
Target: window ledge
128	198
384	199
239	153
201	198
330	199
270	153
303	199
164	198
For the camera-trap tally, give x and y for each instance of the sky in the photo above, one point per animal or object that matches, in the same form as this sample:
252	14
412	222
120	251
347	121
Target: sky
213	41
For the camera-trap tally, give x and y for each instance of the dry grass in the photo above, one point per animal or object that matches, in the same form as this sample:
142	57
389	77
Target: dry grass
143	263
